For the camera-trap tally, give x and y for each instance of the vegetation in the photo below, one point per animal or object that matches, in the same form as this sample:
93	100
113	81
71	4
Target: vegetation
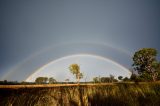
145	94
41	80
96	80
45	80
110	79
120	77
146	64
52	80
5	82
75	70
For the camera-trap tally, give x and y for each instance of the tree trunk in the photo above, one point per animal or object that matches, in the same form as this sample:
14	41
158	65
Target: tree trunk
154	76
78	79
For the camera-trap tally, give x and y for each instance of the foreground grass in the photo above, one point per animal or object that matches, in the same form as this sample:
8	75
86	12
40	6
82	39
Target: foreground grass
126	94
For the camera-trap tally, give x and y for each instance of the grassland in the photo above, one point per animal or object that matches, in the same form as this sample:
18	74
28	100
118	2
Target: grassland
119	94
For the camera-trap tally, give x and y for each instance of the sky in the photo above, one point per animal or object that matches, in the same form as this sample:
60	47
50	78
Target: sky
36	32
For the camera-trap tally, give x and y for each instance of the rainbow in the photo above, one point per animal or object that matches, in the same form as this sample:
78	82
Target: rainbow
79	55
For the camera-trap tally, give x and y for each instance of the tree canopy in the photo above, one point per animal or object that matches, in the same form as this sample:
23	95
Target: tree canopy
75	70
41	80
109	79
120	77
145	63
51	80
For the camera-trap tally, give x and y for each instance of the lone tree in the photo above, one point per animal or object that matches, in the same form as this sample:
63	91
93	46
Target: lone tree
145	63
75	70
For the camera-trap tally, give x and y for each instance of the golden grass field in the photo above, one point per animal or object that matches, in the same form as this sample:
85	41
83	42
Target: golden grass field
52	85
103	94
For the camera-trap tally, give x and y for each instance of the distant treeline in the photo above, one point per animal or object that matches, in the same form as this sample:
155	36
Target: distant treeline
5	82
33	83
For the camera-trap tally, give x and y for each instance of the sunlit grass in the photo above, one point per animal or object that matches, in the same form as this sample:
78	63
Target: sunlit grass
144	94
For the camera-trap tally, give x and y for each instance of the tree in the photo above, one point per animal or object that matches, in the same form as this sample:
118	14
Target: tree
126	79
52	80
111	78
158	70
67	80
96	79
75	70
105	79
145	62
41	80
133	77
120	77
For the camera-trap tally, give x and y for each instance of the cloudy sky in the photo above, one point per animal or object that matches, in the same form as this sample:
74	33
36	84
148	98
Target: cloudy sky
35	32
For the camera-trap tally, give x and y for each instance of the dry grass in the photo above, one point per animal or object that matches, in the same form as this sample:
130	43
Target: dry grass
51	85
124	94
